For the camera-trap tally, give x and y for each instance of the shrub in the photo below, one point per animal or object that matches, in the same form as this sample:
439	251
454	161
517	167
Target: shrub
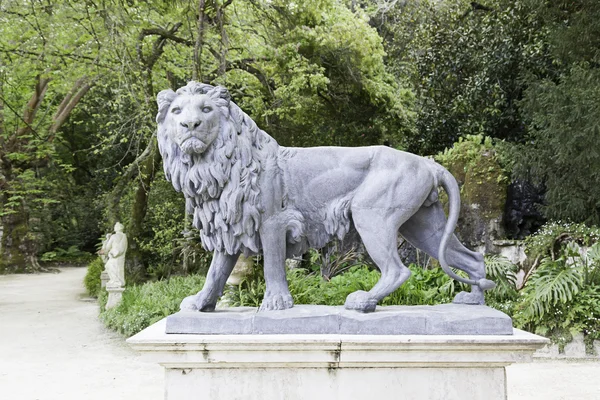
92	277
423	287
72	254
143	305
561	296
549	239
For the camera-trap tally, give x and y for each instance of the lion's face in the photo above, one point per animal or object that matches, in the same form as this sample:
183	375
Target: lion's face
192	121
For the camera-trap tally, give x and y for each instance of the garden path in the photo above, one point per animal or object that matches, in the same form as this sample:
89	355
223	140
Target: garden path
53	347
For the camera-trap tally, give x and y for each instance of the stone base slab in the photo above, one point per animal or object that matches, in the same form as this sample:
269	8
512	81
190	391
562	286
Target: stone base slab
443	319
115	294
334	367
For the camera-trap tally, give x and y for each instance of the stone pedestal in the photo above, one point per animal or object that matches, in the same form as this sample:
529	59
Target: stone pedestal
104	279
114	296
332	366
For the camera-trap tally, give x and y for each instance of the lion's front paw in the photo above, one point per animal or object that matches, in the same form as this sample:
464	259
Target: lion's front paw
469	298
360	301
197	302
277	302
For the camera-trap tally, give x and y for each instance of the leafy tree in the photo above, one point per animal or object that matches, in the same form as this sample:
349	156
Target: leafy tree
41	83
563	148
309	73
465	61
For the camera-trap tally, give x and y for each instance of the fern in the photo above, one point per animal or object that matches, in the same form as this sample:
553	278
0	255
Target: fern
554	282
503	272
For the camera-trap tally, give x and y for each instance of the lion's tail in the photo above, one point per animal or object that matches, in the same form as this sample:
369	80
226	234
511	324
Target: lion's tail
449	184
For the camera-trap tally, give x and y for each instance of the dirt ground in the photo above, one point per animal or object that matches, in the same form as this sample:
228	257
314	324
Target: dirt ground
52	347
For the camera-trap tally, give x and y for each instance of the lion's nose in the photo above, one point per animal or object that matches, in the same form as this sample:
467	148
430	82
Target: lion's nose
190	124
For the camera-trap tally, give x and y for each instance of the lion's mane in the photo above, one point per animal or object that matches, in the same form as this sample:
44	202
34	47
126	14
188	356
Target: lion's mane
221	185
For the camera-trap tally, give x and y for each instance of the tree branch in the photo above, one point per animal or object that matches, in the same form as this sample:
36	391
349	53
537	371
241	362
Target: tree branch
80	88
33	104
166	34
197	74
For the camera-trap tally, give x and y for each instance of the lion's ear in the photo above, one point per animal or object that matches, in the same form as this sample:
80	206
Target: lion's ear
164	100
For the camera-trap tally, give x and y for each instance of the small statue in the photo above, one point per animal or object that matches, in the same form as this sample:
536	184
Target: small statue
114	249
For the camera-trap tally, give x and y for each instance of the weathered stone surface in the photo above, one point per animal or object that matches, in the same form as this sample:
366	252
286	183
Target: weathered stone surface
334	367
444	319
300	320
576	347
248	194
115	294
226	321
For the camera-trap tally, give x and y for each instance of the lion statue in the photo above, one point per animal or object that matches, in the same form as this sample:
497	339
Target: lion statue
249	195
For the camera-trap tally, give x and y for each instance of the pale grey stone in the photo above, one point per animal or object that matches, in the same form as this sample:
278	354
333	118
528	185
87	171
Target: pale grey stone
242	269
548	351
392	320
305	319
249	195
446	319
113	253
576	347
115	295
103	279
597	348
226	321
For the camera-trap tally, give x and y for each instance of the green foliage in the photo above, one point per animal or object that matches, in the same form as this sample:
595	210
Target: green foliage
72	254
327	82
334	259
564	153
165	224
562	297
500	270
465	155
465	65
91	280
310	73
548	240
477	164
143	305
423	287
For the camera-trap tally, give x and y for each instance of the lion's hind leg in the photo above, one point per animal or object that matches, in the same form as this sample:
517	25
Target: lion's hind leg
378	230
424	230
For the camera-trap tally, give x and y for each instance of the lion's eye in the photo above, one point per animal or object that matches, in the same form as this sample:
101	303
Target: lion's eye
176	110
206	109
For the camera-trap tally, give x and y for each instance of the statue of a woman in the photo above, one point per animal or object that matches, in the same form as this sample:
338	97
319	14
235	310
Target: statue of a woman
115	250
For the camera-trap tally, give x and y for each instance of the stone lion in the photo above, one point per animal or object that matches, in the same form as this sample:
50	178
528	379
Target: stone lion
249	195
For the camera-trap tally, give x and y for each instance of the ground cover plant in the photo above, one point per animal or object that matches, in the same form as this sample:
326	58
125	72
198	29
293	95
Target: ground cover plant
561	294
142	305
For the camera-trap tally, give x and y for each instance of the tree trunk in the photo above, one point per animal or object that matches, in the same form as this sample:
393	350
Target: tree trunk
197	73
147	169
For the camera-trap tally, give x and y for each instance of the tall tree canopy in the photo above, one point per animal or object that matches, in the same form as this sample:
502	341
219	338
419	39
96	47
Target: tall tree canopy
79	79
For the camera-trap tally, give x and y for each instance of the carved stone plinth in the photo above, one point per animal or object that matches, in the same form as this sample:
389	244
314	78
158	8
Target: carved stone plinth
104	278
114	296
334	366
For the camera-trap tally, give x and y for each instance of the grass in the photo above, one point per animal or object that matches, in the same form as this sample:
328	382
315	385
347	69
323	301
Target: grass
143	305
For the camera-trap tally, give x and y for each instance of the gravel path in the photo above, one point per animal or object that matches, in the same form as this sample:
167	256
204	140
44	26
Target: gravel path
52	346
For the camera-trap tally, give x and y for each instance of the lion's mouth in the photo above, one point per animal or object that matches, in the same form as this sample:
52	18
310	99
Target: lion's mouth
193	145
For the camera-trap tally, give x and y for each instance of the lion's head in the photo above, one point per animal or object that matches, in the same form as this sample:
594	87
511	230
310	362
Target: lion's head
192	120
214	153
